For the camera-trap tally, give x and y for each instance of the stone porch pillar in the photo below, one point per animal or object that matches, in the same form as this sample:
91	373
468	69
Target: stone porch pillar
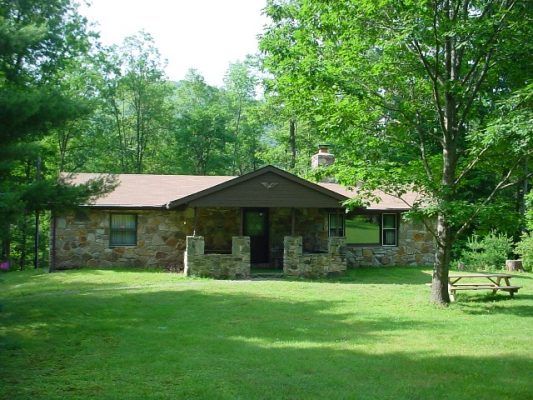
292	251
194	247
335	245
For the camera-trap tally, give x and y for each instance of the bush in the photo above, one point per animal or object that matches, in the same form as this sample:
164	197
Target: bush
488	253
525	249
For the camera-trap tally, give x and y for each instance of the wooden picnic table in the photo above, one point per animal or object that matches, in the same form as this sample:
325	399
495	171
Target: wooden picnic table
496	281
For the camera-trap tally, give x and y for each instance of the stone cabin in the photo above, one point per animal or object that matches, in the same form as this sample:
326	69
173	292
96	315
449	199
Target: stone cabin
221	226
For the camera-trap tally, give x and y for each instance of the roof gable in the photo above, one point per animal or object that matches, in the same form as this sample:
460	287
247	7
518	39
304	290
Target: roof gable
265	187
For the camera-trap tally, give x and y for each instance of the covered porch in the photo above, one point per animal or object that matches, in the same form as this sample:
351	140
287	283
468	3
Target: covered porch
237	265
266	228
266	207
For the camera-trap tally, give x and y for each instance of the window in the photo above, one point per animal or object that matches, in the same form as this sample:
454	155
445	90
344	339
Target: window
370	229
362	229
336	224
123	230
389	229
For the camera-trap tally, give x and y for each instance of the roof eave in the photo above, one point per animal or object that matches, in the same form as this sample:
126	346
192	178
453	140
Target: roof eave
123	206
235	181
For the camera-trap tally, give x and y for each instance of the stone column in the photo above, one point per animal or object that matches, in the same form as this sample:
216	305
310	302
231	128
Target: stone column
194	247
292	251
240	249
335	245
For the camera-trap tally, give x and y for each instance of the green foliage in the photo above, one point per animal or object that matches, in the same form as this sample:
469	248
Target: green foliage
246	117
200	133
488	252
419	95
529	210
40	40
525	249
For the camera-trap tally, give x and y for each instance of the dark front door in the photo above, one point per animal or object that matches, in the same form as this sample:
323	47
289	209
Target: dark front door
255	225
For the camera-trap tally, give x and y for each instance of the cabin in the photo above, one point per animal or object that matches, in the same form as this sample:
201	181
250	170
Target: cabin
225	226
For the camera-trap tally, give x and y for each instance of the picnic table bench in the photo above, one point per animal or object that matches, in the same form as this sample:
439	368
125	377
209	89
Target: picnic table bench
494	283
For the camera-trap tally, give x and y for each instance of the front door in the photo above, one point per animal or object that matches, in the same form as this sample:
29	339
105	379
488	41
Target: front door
255	225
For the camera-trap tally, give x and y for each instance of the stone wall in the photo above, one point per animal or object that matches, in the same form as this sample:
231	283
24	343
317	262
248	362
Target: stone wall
313	265
219	266
82	239
415	247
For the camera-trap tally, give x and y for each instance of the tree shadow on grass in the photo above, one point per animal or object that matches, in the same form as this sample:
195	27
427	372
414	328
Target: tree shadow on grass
483	304
200	344
384	276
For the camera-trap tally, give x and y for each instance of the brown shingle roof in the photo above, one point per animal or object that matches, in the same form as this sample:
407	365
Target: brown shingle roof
143	190
156	191
387	202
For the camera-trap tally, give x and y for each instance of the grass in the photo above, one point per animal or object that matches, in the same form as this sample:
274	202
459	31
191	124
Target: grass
110	334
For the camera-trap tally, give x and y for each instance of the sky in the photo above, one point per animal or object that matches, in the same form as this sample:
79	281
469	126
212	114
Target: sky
206	35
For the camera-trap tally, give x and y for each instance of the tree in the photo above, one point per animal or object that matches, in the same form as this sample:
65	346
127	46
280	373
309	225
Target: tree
136	96
38	38
200	134
245	123
409	91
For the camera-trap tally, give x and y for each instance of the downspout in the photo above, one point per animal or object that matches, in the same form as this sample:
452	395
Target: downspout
195	223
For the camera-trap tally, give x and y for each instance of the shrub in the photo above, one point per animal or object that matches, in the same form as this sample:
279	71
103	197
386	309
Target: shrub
487	253
525	249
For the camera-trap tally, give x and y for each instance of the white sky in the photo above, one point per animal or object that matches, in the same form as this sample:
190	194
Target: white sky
203	34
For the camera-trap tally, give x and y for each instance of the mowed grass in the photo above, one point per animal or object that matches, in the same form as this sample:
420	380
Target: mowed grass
124	334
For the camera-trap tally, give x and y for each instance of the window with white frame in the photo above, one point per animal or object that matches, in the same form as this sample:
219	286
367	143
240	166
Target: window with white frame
365	229
389	229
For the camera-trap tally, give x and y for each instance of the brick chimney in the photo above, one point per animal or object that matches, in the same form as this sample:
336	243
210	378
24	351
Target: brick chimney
323	158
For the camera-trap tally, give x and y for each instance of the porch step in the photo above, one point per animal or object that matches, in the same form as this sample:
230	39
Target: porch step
266	274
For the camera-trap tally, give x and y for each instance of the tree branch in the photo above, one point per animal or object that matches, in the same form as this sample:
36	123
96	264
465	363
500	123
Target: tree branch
476	88
435	82
472	164
501	185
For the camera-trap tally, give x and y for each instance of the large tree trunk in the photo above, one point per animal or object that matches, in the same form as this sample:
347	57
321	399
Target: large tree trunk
439	287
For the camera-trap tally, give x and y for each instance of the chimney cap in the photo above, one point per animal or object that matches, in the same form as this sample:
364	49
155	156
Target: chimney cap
324	147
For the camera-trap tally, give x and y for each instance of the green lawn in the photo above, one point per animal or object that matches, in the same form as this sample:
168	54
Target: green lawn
123	334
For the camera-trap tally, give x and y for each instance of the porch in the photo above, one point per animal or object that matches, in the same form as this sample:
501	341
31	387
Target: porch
266	229
236	265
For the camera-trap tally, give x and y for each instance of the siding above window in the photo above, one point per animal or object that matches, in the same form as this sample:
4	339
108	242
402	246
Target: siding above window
123	230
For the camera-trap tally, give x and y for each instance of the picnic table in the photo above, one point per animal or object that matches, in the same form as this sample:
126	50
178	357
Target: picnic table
493	281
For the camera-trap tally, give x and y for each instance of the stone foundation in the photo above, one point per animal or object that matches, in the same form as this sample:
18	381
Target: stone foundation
219	266
416	246
313	265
